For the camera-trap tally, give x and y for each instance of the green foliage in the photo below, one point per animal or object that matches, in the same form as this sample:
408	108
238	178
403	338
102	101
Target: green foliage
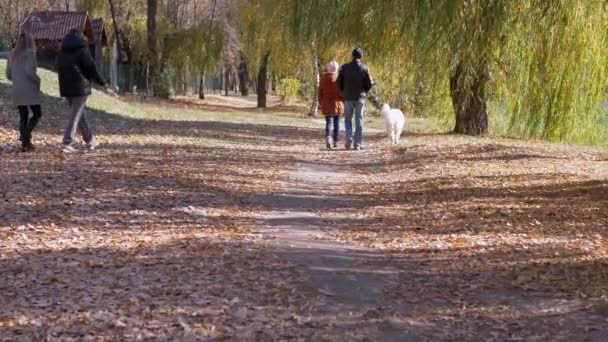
263	24
544	64
185	48
96	8
138	39
288	89
559	71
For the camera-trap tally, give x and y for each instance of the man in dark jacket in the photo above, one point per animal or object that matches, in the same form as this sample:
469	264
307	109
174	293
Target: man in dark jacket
76	70
355	82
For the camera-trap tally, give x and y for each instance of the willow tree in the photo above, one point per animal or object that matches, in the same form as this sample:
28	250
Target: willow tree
447	46
192	46
317	30
264	36
556	72
298	34
546	61
154	52
196	49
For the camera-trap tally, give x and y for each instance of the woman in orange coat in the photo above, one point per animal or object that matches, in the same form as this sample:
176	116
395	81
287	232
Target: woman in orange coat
331	103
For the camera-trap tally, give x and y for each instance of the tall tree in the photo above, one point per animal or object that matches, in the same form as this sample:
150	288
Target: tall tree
117	31
12	14
316	31
243	75
159	86
544	60
316	72
201	88
153	48
262	87
264	23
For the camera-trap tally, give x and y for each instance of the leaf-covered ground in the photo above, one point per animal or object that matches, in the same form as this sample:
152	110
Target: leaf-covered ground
160	235
147	237
494	238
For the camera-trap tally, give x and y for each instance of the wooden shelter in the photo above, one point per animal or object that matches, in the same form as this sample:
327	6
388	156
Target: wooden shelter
99	32
100	41
49	27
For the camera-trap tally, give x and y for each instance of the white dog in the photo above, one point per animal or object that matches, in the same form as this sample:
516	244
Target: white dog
394	121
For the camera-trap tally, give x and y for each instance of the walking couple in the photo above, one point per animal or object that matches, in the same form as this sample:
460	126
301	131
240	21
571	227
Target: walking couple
344	91
76	70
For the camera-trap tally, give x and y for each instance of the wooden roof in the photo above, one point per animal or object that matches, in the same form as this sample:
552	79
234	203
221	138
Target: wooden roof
54	25
99	31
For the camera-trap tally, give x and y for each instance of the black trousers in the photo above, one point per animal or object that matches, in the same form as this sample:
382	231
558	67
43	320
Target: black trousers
27	124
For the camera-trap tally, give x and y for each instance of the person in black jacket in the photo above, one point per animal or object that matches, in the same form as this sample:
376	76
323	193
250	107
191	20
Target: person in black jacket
76	70
355	82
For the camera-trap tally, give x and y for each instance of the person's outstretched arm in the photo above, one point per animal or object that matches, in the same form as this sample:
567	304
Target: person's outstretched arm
368	82
341	79
89	69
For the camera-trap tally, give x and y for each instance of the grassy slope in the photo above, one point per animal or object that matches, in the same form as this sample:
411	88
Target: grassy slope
102	102
136	109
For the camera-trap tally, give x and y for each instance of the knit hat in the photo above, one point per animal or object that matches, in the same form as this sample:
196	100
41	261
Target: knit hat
358	53
333	67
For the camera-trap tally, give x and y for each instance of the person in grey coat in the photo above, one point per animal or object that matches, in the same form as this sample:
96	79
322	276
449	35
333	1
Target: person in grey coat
21	69
76	70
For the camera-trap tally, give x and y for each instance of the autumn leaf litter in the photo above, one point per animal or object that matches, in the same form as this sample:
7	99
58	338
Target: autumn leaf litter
158	234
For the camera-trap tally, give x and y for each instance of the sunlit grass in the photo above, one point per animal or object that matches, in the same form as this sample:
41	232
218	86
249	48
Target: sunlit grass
136	108
140	108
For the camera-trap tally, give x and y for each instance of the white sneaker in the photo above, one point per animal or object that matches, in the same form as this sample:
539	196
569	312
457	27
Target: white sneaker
68	149
328	142
92	146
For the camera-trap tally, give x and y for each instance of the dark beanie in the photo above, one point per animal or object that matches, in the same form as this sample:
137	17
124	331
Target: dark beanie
357	53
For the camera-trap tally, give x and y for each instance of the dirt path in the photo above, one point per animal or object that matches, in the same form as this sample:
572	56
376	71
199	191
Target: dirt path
435	284
351	282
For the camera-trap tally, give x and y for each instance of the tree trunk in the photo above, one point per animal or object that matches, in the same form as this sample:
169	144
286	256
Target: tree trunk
153	53
201	87
226	81
469	101
244	76
159	88
222	81
131	78
272	84
201	93
314	106
9	24
117	33
263	81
